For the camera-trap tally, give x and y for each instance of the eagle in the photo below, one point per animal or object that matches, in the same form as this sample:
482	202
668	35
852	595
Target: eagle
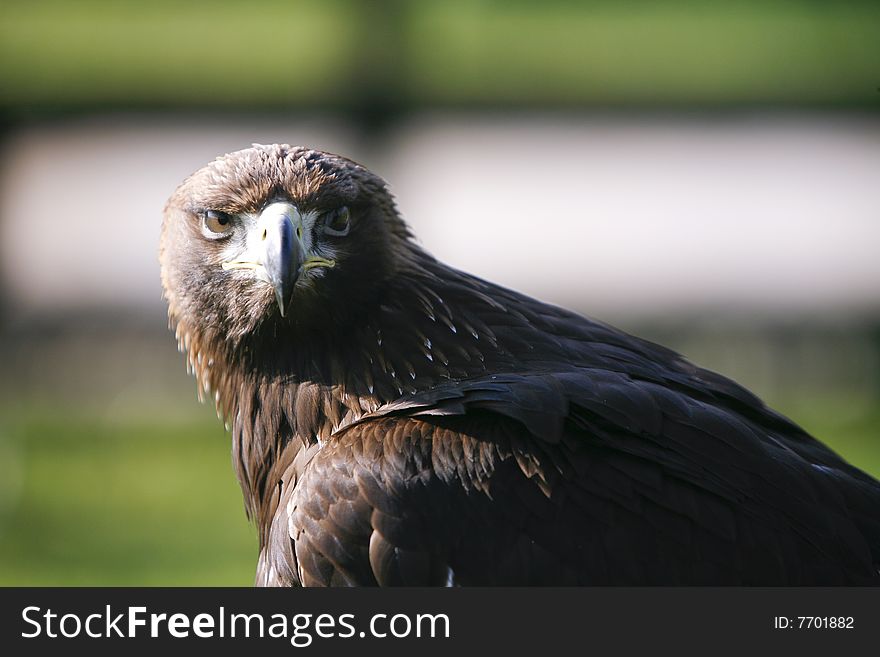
396	421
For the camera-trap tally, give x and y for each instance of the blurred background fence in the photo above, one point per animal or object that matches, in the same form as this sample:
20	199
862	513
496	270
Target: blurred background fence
704	174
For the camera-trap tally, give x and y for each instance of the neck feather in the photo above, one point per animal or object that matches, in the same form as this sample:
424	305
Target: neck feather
287	386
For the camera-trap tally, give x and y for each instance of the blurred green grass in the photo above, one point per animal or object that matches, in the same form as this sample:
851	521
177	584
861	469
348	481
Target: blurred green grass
850	429
113	503
56	54
681	52
118	504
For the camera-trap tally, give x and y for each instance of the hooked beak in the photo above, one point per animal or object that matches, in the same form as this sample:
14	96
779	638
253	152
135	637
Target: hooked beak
275	251
282	251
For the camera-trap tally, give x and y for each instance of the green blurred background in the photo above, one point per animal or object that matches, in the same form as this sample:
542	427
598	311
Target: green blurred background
111	473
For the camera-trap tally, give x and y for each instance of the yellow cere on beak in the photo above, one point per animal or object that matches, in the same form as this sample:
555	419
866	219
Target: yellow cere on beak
276	252
240	264
316	261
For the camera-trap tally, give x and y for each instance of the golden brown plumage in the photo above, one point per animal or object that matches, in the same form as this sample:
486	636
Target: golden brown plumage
396	421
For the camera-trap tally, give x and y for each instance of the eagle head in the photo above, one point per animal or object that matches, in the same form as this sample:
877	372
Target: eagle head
273	236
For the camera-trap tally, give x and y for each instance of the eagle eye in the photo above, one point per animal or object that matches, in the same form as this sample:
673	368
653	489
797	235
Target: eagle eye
338	222
217	224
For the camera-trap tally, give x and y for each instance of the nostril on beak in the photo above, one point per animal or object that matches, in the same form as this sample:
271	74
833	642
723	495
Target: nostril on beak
265	234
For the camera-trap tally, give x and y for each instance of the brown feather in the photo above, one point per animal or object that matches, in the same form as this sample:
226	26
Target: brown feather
408	423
